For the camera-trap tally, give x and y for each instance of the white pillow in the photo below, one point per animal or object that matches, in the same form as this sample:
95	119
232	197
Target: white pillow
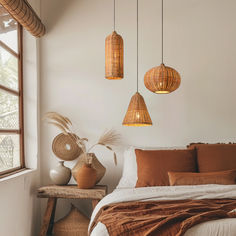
129	175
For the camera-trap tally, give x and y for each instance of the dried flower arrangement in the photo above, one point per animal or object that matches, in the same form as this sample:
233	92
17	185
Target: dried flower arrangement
107	139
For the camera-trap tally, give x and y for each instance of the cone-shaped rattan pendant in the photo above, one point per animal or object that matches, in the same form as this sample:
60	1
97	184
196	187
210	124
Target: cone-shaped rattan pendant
137	113
114	51
162	79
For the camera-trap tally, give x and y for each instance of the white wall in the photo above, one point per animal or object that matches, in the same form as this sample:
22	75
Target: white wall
199	42
20	208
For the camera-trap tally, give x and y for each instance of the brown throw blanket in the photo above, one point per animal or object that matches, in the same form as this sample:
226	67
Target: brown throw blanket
162	218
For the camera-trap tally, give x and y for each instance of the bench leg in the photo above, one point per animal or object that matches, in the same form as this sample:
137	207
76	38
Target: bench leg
94	203
48	218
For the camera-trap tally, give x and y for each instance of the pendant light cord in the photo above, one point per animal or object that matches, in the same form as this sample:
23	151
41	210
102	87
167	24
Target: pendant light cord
137	46
162	41
114	24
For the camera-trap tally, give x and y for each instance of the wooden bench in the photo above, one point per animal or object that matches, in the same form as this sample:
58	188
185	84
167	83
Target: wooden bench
54	192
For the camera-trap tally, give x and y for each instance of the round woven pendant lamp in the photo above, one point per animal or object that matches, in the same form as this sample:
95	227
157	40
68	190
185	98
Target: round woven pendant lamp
162	79
114	54
137	113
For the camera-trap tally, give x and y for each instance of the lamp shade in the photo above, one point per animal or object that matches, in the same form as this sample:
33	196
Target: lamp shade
162	79
114	51
137	113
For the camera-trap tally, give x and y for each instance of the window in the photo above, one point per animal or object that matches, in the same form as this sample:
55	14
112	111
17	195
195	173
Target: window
11	96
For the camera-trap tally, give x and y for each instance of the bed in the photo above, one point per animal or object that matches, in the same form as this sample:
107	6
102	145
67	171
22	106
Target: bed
223	227
210	221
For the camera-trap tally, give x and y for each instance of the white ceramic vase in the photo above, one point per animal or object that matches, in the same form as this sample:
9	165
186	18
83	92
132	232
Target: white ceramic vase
60	175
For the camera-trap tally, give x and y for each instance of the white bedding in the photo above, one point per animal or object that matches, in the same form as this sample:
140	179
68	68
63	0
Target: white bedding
223	227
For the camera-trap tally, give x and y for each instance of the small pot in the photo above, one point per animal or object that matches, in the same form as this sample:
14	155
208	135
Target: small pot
86	176
60	175
96	164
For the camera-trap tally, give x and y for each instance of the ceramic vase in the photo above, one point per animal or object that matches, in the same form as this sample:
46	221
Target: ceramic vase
96	164
86	176
60	175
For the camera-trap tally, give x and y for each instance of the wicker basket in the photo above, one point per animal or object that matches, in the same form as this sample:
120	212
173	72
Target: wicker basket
96	164
73	224
65	148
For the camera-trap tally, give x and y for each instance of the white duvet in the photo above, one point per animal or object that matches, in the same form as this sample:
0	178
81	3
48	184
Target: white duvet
223	227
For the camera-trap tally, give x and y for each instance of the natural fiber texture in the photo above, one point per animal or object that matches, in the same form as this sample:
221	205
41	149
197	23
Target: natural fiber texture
65	147
73	224
22	12
162	79
100	169
137	113
114	56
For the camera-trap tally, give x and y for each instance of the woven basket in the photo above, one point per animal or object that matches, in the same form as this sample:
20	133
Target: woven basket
73	224
137	113
114	57
162	79
65	148
96	164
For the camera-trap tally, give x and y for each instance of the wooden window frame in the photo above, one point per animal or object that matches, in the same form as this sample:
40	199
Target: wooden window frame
18	93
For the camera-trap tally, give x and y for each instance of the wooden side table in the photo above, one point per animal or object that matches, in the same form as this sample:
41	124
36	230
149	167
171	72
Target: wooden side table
54	192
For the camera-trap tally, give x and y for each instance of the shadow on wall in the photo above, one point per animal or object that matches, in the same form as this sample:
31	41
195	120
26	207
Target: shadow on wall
54	12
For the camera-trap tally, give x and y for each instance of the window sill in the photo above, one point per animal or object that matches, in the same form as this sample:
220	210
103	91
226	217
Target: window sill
16	174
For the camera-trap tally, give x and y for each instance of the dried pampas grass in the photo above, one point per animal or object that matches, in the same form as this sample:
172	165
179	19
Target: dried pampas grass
58	120
64	124
110	137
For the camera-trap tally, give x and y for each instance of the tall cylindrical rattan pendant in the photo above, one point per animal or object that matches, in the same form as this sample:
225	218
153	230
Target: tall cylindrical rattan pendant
114	58
162	79
137	113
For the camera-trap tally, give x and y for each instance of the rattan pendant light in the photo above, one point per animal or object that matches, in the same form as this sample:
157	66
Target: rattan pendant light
137	113
162	79
114	54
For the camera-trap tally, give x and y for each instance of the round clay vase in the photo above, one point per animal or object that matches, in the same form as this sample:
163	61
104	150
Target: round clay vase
96	164
60	175
86	176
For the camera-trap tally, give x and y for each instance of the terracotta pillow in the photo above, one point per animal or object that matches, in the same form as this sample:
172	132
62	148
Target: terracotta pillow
187	178
215	157
153	165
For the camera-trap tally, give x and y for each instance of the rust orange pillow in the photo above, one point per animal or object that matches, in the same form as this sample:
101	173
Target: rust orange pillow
153	165
221	177
215	157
